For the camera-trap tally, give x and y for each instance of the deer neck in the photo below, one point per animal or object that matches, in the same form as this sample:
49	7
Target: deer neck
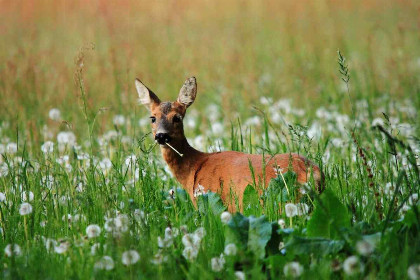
182	167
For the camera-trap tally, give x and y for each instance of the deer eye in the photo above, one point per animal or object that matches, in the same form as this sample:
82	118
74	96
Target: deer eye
153	119
176	119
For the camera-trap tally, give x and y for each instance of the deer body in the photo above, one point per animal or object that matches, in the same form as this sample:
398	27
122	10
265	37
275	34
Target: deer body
227	173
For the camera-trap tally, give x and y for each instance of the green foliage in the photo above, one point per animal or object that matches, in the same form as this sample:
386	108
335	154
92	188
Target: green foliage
315	246
210	202
251	202
329	216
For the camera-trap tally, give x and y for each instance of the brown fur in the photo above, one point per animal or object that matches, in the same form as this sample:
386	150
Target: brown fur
226	173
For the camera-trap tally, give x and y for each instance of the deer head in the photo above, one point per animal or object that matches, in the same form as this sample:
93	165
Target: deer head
167	117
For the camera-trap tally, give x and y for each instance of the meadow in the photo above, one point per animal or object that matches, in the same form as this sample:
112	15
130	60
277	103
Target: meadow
85	193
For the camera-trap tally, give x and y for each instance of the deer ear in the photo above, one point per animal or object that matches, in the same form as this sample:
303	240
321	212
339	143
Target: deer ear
188	92
146	96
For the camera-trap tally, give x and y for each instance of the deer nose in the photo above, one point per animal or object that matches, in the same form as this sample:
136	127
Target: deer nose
162	138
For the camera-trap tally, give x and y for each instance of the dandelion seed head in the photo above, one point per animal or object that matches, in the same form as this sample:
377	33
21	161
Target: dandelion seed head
93	231
130	257
230	250
25	209
54	114
105	263
293	269
12	250
291	210
352	265
218	263
225	217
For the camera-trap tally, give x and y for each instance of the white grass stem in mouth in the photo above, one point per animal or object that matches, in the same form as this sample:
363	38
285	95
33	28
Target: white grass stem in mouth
181	155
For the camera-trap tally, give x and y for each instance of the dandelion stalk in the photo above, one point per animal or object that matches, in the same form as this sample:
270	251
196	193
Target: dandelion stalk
25	224
181	155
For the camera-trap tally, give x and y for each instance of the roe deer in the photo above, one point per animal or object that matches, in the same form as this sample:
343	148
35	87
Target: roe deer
220	172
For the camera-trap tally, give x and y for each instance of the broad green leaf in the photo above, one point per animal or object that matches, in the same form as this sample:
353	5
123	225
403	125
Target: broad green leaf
210	201
316	246
329	216
259	235
251	202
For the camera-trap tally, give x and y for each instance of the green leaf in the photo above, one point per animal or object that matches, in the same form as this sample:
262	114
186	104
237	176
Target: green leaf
210	201
249	233
316	246
251	202
329	217
259	235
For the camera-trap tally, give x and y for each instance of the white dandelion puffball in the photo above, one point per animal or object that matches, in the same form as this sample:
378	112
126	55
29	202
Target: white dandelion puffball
230	250
225	217
119	120
293	269
47	147
25	209
413	272
352	265
12	250
27	196
93	231
62	247
11	148
239	275
2	197
364	247
303	209
282	223
190	253
105	263
54	114
130	257
291	210
218	263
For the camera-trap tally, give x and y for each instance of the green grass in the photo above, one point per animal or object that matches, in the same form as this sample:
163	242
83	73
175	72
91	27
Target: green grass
268	83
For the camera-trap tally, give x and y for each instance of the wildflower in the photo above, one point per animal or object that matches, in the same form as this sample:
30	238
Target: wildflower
62	247
4	170
25	209
218	263
302	209
54	114
93	231
27	196
105	164
49	243
291	210
239	275
2	197
130	161
230	250
68	218
225	217
105	263
190	253
413	272
364	247
130	257
94	248
11	148
412	200
199	191
66	138
352	265
282	223
293	269
12	250
159	258
47	147
119	120
200	232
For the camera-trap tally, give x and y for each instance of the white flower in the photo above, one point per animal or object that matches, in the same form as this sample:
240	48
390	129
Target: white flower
225	217
190	253
4	170
49	243
218	263
291	210
62	247
378	121
217	128
119	120
230	250
239	275
199	191
282	223
11	148
130	161
412	200
302	209
105	164
93	231
25	209
364	247
293	269
94	248
27	196
54	114
413	272
159	258
47	147
66	138
106	262
12	250
352	265
130	257
2	197
200	232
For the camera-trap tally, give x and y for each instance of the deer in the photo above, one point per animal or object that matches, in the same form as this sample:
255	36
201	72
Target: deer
227	173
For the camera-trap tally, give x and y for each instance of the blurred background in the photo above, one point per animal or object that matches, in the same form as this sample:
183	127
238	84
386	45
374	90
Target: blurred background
239	51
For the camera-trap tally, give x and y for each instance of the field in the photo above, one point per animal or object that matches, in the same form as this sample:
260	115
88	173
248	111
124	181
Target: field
85	193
